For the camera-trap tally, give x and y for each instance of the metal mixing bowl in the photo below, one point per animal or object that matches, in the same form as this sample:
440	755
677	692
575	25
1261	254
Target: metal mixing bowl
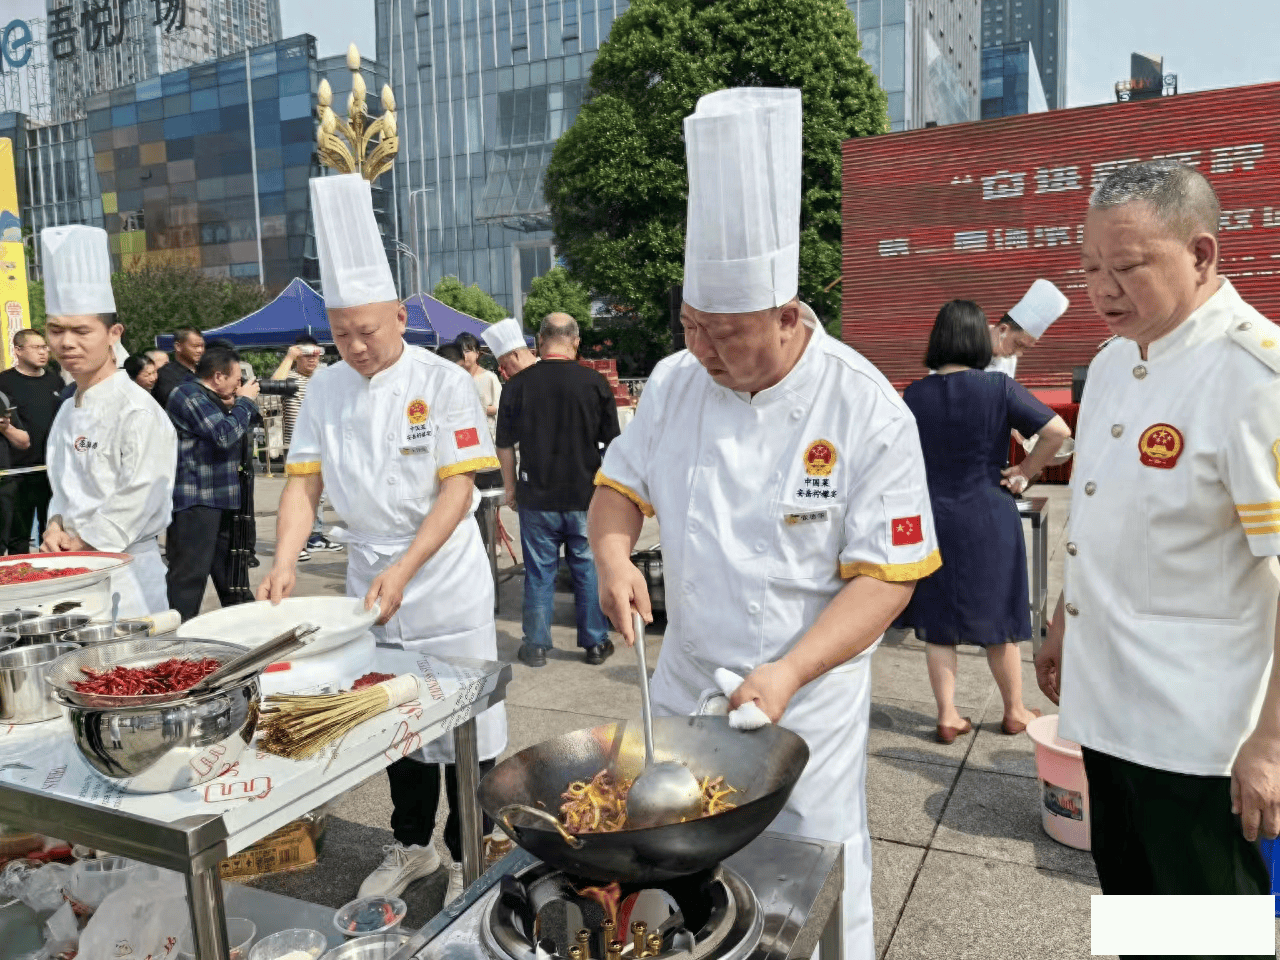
167	746
48	629
11	617
24	695
102	632
377	946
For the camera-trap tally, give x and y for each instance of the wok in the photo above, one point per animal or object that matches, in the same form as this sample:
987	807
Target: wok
523	794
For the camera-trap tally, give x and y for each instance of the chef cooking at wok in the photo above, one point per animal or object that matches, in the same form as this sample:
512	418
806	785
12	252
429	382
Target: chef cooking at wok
112	451
394	435
787	478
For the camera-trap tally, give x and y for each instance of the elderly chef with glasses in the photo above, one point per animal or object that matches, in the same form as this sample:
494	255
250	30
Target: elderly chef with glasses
112	451
394	435
788	480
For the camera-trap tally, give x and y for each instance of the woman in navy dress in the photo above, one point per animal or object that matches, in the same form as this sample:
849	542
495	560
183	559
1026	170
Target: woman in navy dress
980	595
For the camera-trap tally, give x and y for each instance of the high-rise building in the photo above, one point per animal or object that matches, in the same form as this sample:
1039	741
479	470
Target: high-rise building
925	54
207	166
96	46
1011	81
1043	23
484	91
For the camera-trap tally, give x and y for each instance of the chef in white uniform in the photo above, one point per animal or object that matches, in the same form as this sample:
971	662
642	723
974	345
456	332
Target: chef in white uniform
1024	324
112	451
1163	644
393	435
506	340
787	477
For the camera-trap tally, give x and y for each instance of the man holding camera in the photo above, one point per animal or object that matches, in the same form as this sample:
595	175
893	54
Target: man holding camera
212	414
297	368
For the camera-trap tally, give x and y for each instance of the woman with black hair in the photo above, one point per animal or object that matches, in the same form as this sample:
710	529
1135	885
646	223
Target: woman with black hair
141	370
965	414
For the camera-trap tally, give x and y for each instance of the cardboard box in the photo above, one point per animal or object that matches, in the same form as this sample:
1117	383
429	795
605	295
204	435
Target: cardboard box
292	846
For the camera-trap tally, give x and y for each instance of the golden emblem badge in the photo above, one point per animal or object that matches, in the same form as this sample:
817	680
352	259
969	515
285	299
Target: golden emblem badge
1160	446
820	458
418	411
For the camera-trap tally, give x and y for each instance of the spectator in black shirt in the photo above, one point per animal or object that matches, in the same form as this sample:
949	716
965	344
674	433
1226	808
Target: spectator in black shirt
33	389
188	348
562	415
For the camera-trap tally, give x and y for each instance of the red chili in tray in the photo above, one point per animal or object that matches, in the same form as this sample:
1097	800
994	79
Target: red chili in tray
28	573
171	676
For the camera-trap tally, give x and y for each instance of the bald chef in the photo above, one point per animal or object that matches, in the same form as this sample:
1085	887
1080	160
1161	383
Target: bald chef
112	452
394	435
786	475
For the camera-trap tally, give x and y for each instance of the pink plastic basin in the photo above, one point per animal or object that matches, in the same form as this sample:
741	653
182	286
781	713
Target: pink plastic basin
1064	791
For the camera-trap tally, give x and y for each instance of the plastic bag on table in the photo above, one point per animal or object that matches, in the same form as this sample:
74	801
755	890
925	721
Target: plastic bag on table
39	887
140	919
61	932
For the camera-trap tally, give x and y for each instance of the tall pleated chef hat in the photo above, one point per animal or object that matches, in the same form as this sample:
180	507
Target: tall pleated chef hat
77	271
742	245
504	336
353	265
1039	307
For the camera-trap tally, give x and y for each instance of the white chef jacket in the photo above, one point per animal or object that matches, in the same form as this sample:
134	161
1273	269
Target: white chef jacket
112	456
1171	583
1005	365
768	504
382	445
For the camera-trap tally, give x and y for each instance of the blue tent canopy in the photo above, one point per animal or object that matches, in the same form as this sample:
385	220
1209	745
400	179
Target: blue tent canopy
447	322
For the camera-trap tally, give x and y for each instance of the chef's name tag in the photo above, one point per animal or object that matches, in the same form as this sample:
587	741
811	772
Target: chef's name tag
809	516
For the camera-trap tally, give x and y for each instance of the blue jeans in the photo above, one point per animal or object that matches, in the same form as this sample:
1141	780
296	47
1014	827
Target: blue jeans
541	534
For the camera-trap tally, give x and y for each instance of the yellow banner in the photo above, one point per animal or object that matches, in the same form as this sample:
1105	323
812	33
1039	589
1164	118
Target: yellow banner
15	309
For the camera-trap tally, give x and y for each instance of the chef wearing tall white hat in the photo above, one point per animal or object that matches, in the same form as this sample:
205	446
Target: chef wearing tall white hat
506	340
788	479
1024	324
394	436
112	452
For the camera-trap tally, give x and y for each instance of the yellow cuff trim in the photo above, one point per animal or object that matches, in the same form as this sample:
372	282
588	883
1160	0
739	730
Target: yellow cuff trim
645	506
893	572
307	469
1256	507
1269	528
467	466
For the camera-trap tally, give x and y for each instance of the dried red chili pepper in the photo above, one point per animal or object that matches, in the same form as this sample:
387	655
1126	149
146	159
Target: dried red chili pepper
369	679
27	573
170	676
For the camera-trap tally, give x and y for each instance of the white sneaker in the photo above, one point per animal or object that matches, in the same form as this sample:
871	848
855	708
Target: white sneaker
400	867
454	890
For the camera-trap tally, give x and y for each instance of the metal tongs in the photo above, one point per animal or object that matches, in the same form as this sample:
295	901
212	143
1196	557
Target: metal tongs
250	662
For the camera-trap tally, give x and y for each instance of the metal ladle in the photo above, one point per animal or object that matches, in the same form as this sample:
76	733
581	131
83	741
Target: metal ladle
664	792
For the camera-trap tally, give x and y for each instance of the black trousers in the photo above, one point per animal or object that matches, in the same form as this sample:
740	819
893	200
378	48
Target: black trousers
1156	832
197	547
31	500
415	798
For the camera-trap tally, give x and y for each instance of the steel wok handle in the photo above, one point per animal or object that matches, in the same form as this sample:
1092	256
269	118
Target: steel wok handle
505	816
646	711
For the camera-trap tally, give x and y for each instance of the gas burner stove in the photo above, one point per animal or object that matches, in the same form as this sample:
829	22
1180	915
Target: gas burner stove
544	914
770	901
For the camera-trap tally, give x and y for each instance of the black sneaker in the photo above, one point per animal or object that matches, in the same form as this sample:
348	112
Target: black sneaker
599	653
532	656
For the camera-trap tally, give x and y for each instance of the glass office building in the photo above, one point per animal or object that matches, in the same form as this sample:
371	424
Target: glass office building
1043	24
1011	81
206	167
486	88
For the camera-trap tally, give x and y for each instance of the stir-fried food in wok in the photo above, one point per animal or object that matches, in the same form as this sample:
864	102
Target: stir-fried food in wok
600	806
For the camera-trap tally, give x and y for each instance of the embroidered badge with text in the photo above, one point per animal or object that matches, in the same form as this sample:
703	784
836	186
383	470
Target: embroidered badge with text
1160	446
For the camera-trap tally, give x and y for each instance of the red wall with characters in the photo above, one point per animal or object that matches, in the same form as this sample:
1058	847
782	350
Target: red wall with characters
978	211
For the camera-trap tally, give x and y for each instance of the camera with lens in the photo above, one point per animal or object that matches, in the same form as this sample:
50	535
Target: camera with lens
277	388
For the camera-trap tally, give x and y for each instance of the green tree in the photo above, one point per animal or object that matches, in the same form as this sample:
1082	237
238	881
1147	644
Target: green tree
160	299
617	184
35	298
557	292
471	300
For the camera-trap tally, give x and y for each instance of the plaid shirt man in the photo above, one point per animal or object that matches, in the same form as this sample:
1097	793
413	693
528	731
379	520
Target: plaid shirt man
210	447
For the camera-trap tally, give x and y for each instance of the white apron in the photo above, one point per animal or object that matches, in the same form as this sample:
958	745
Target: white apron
449	602
141	584
829	801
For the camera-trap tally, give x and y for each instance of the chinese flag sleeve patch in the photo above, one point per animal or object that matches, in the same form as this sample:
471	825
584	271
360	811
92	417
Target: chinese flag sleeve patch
907	530
471	438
